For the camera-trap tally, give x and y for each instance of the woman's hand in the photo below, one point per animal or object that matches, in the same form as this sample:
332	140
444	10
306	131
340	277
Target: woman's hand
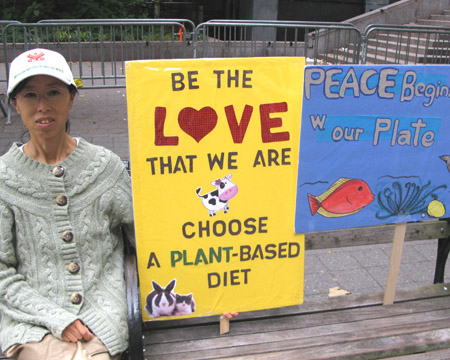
76	331
231	315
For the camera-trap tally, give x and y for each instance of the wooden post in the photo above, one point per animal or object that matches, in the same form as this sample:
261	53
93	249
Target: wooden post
224	325
394	264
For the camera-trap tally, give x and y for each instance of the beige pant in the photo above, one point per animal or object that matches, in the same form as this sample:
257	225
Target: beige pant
51	348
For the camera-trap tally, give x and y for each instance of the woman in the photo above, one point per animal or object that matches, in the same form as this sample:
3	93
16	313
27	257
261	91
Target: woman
63	202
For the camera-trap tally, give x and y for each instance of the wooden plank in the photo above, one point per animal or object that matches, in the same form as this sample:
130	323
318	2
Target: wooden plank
327	321
317	330
365	349
372	235
432	355
341	331
381	337
394	264
312	306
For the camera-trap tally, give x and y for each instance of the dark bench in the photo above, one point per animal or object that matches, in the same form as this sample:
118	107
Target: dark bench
352	326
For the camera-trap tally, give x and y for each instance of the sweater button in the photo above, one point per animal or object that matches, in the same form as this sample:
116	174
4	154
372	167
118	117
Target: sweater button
61	200
76	298
73	268
67	236
58	171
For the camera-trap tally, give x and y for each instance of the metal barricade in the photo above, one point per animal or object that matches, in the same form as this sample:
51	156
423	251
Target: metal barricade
188	25
4	55
97	49
324	42
405	44
4	73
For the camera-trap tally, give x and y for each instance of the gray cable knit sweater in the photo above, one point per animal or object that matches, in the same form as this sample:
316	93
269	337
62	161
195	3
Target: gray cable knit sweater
61	250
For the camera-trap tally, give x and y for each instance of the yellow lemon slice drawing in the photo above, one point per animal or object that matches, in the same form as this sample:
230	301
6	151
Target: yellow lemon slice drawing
436	209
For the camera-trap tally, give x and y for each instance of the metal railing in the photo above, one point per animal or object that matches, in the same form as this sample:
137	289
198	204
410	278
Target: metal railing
244	38
188	24
3	24
406	44
96	49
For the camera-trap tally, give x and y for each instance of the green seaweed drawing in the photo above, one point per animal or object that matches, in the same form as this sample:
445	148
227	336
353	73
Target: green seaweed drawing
412	199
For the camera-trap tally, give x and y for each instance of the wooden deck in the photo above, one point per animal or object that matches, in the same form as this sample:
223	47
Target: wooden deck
416	326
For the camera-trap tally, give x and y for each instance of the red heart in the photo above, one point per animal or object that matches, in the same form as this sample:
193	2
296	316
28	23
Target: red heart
199	123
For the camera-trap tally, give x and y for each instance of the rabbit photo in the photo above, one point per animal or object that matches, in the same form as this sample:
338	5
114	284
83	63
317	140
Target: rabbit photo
161	301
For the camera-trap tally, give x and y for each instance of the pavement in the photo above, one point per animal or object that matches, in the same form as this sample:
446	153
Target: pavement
100	116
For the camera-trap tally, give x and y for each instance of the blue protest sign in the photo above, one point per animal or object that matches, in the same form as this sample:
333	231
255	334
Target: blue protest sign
374	146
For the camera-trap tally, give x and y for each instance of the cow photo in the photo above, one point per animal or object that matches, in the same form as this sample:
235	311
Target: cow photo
218	199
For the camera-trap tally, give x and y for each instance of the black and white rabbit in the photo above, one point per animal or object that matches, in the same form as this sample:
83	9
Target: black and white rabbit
161	301
184	304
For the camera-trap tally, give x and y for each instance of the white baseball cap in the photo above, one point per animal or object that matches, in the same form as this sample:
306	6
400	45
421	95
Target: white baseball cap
39	62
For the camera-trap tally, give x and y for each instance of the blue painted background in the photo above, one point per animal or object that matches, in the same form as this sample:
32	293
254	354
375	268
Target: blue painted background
403	178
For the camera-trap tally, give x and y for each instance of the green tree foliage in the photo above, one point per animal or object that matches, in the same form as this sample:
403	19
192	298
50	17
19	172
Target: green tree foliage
29	11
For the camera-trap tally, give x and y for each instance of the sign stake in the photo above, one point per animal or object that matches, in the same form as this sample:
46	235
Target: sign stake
394	265
224	325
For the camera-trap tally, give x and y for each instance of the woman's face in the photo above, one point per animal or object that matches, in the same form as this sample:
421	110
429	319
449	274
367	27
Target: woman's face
44	104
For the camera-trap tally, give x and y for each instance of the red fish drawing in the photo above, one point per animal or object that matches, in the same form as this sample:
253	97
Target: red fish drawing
345	197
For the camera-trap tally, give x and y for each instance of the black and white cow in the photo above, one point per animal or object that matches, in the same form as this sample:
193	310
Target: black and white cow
218	199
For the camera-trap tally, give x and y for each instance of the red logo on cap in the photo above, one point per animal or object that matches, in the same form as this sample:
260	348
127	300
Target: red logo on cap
35	57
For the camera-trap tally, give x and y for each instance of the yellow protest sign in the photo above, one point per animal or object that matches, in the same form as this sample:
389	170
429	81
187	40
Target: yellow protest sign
214	152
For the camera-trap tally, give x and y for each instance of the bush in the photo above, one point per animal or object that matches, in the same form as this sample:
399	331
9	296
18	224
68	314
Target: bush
29	11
